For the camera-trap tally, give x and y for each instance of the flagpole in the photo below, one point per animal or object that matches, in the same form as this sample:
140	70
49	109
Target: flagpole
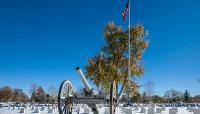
129	50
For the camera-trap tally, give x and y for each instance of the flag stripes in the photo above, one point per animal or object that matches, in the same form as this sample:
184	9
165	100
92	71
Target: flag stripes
125	11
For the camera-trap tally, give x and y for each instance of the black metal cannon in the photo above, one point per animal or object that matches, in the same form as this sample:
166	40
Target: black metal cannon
67	97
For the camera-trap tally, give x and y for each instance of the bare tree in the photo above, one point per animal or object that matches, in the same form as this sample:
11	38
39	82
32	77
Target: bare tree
79	90
33	88
149	89
52	91
173	95
20	96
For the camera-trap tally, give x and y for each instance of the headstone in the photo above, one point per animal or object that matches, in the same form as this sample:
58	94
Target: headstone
192	109
22	110
37	110
163	108
33	108
106	111
158	110
43	108
78	109
143	110
188	108
128	111
150	111
50	110
173	111
86	110
136	108
197	111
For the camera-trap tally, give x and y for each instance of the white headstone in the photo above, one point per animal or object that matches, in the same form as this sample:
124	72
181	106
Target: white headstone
136	108
13	108
22	110
163	108
173	111
9	107
158	110
128	111
143	110
50	110
107	111
150	111
43	108
197	111
37	110
78	109
33	108
86	110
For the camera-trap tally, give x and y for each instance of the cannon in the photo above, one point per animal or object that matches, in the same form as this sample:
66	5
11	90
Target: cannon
67	96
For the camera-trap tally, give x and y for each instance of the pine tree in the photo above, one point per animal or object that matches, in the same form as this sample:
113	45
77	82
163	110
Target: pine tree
186	96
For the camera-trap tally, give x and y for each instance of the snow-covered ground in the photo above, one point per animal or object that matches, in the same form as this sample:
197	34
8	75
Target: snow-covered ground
102	110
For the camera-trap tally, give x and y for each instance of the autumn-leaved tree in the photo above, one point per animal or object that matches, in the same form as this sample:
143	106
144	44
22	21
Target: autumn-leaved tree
111	63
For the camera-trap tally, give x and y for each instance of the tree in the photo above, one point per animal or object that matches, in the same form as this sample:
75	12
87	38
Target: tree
6	94
144	98
20	96
136	98
149	89
52	93
39	95
111	63
33	88
124	98
104	91
186	96
158	99
195	99
173	95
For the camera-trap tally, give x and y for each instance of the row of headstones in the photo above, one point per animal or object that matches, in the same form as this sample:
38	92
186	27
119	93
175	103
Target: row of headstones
128	110
151	110
194	110
179	105
36	109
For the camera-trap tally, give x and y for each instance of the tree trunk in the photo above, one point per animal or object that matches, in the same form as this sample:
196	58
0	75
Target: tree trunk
122	88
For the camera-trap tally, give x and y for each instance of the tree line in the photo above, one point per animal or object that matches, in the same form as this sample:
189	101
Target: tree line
37	95
170	96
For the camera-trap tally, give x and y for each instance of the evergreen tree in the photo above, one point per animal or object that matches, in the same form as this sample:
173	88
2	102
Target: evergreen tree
186	96
144	98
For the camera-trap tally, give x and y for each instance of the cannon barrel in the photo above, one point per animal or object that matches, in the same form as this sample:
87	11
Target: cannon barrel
85	82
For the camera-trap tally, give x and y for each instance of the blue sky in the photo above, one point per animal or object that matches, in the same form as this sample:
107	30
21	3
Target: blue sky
42	41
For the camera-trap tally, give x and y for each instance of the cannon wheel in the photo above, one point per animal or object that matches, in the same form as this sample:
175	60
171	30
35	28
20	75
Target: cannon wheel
65	98
113	100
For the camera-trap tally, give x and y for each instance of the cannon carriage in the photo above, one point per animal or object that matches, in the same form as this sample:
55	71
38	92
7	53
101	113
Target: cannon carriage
67	96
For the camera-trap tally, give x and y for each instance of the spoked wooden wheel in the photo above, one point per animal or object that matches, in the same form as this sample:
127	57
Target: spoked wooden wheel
113	100
65	98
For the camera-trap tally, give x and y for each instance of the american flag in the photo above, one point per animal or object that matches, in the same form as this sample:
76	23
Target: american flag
125	11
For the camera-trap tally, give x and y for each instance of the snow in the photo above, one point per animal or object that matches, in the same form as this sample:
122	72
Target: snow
120	110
